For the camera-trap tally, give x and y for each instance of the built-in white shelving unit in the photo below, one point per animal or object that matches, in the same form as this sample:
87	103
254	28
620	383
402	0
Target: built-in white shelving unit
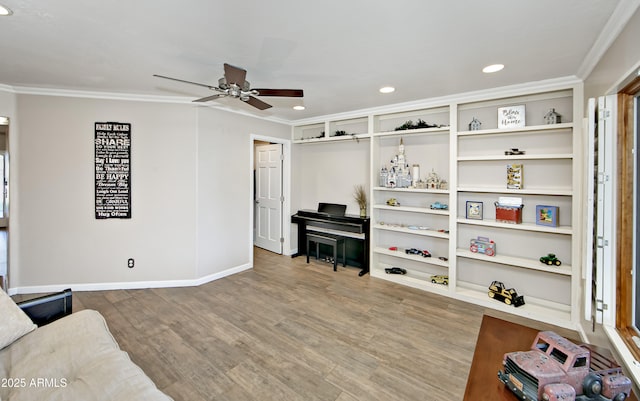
473	162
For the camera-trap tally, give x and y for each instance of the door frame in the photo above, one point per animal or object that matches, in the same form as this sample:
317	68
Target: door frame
286	190
268	202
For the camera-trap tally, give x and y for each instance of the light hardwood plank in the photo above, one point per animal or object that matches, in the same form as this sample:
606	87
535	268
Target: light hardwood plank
288	330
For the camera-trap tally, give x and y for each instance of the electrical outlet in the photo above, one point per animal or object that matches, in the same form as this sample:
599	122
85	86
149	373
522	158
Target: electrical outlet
130	263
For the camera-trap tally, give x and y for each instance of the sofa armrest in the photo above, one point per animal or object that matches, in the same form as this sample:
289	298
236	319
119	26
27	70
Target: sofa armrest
48	308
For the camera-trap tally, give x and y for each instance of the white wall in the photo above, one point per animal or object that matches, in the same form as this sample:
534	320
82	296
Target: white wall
190	193
225	176
619	60
328	172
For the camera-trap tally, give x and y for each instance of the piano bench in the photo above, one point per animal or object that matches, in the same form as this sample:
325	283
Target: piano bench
328	239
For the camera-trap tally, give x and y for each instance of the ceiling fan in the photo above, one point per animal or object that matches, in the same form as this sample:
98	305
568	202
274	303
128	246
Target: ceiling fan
234	84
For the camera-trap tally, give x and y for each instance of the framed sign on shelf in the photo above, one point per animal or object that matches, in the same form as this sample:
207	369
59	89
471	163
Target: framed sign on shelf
547	215
474	210
511	117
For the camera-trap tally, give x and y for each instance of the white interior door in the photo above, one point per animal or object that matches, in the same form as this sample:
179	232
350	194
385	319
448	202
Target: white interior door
269	199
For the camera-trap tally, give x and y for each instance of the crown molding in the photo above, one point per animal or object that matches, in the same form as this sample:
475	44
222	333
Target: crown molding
612	29
7	88
465	97
26	90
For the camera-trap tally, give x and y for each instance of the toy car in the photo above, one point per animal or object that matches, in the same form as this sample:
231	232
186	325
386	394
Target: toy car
395	270
550	259
439	206
393	202
554	368
393	248
414	251
509	296
483	245
513	151
440	279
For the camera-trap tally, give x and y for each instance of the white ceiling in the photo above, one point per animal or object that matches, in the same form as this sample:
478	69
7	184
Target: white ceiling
339	51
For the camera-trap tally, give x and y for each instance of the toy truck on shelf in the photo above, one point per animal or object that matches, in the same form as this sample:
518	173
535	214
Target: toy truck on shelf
509	296
555	369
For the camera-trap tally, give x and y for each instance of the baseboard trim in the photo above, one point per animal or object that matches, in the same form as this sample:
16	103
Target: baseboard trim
129	285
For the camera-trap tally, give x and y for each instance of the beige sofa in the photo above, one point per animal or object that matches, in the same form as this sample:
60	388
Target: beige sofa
73	358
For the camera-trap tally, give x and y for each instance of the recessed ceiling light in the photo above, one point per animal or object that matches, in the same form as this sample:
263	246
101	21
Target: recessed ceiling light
4	11
387	89
492	68
298	107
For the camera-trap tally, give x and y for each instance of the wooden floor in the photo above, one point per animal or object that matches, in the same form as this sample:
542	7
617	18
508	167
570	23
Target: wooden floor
287	330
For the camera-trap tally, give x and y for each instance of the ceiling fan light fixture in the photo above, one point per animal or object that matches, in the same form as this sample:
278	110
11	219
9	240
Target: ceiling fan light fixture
387	89
5	11
298	107
492	68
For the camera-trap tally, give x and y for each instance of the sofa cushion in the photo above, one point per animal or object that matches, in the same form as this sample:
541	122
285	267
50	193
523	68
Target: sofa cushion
74	358
14	322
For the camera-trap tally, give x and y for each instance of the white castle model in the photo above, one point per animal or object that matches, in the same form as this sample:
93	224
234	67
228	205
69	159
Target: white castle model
398	175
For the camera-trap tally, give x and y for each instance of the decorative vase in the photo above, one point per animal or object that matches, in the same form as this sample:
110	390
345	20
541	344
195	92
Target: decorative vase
363	212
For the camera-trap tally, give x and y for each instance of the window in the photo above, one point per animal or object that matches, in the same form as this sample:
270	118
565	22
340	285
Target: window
581	361
628	240
636	215
558	355
542	345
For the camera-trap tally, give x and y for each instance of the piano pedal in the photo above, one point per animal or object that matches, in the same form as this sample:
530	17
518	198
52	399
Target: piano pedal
328	259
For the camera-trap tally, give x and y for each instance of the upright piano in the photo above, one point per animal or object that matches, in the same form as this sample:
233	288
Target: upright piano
331	218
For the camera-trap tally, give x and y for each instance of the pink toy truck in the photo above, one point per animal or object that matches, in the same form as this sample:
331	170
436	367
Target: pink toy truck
555	369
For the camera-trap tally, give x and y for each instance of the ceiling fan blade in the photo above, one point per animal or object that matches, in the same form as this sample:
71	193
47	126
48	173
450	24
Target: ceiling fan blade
280	92
207	98
234	75
257	103
186	82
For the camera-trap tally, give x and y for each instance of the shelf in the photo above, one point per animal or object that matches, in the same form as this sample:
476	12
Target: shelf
412	209
400	253
473	162
334	138
535	308
567	230
425	233
421	283
494	131
526	191
415	190
423	131
516	157
565	270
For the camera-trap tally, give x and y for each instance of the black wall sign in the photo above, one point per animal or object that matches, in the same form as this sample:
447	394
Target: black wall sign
113	170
